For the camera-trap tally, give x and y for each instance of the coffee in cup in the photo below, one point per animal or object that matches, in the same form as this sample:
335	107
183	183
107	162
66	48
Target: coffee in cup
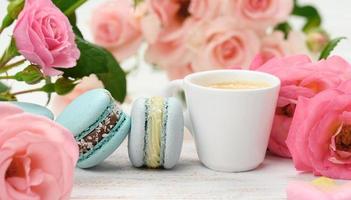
240	84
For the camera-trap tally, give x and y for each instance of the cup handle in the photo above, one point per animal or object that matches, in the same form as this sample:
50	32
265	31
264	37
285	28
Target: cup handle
172	88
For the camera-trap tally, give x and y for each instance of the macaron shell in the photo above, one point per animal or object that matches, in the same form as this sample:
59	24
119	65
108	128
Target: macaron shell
34	109
137	134
174	133
109	147
84	110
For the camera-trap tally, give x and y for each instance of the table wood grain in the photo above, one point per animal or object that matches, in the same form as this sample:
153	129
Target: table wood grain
117	179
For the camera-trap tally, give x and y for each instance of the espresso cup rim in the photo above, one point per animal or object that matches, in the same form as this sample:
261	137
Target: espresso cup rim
274	84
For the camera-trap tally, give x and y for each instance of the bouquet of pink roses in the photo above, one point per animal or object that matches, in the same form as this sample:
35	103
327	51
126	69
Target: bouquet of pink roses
311	122
185	36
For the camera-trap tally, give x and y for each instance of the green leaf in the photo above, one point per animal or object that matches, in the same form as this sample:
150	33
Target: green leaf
3	87
73	20
92	60
64	4
64	86
48	88
285	28
77	31
115	79
68	6
10	53
330	47
49	94
99	61
30	75
13	10
310	13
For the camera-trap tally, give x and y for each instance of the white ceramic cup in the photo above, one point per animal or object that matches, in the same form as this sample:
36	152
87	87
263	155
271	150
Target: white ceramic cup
231	127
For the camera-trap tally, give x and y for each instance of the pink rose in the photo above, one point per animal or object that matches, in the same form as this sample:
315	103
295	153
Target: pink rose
44	36
321	189
174	49
37	156
221	44
205	9
320	135
179	72
275	45
260	14
177	64
163	17
300	78
317	40
88	83
115	27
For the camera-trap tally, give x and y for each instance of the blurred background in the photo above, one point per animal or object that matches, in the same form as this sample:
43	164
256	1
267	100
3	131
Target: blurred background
147	81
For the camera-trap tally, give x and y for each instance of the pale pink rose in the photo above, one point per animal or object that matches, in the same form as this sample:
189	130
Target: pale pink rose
59	103
320	135
300	78
164	17
115	27
205	9
37	156
179	72
44	36
275	45
321	189
172	54
262	14
221	44
177	63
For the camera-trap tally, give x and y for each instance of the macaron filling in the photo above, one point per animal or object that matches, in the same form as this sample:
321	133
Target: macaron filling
155	132
100	132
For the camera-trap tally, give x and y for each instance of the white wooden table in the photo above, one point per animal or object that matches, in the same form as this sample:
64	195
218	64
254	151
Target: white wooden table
117	179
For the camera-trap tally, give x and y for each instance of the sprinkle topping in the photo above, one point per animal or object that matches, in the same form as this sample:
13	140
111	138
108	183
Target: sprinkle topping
99	133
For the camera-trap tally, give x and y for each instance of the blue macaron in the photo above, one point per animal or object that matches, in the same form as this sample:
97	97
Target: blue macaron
98	124
156	136
34	109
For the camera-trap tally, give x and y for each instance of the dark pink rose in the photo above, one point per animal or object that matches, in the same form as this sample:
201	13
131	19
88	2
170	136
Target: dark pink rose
320	135
300	78
44	36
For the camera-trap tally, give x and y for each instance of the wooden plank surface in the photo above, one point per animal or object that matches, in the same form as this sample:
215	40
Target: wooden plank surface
117	179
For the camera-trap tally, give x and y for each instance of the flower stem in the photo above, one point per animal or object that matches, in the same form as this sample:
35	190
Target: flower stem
28	91
7	77
10	66
71	9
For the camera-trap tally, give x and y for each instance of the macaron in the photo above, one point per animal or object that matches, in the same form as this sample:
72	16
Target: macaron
99	126
34	109
156	136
